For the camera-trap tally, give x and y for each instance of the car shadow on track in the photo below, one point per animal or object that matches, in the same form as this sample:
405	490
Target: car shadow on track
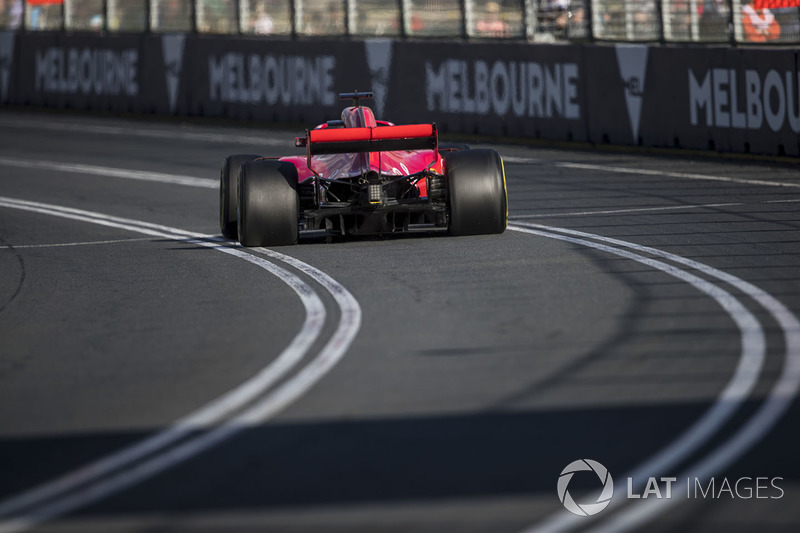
391	460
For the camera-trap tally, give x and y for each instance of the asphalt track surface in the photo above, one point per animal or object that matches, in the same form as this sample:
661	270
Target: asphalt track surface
640	311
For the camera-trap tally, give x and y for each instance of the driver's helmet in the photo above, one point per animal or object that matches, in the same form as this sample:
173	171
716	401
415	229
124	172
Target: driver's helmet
358	117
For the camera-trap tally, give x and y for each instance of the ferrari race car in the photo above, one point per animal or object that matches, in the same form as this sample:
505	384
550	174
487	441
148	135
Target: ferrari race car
361	176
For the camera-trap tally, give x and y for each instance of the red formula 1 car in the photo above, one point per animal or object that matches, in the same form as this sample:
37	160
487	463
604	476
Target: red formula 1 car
361	176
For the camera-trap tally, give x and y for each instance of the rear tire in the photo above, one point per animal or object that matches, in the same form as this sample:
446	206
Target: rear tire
478	199
228	194
269	207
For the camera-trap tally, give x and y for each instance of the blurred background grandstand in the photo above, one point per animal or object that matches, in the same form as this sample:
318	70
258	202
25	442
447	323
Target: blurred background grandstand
666	21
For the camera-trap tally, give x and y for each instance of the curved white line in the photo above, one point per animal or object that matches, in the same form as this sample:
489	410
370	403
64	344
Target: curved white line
753	349
208	415
261	410
350	323
734	394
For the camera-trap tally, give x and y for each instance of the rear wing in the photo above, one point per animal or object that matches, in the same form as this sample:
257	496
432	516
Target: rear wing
377	139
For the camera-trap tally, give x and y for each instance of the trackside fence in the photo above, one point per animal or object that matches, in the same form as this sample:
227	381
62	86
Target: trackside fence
666	21
723	98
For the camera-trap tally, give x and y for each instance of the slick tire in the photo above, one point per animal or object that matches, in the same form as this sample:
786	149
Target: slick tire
478	200
228	194
269	207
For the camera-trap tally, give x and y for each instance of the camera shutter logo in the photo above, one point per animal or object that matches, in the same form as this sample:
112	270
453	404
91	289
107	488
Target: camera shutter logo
587	509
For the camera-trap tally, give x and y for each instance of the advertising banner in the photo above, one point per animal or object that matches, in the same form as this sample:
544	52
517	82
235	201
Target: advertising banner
723	99
491	88
745	101
273	80
730	100
80	72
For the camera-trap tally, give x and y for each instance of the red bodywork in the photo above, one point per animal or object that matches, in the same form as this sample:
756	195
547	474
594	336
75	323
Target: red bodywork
368	140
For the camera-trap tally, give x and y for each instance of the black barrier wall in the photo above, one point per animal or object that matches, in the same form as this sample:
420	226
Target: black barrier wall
494	89
723	99
275	81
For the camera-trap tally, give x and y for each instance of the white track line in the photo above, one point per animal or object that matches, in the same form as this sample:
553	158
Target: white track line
71	244
94	170
682	175
121	470
149	133
767	416
514	160
647	172
734	394
624	211
649	209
